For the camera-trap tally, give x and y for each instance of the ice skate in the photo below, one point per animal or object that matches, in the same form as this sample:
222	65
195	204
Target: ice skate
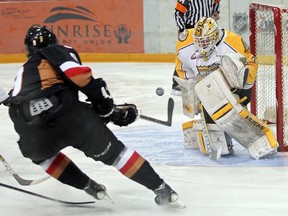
98	191
167	197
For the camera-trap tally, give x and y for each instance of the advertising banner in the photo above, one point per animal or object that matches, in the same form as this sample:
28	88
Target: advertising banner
114	26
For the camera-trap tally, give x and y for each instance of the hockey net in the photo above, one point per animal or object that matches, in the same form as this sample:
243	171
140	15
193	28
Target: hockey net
269	44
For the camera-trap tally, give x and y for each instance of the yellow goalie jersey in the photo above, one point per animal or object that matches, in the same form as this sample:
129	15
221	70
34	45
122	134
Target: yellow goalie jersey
191	65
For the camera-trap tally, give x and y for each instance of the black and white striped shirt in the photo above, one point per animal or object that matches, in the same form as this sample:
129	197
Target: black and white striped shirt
188	12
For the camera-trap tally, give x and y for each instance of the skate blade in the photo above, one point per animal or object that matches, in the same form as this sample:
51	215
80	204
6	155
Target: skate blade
108	199
177	204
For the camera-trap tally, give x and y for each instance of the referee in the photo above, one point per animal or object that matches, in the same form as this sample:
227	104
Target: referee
186	15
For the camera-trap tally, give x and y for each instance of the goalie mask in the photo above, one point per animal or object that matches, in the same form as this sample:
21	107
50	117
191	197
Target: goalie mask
206	35
37	37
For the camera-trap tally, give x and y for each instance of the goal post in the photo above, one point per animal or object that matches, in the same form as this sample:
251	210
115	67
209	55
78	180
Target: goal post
269	44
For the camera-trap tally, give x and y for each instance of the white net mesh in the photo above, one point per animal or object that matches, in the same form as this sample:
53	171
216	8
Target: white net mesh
267	20
266	76
284	60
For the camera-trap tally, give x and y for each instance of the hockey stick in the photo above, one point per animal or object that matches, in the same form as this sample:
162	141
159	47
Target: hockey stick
213	152
45	197
20	180
169	114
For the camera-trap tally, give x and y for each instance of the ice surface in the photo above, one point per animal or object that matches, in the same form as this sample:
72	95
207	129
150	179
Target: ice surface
232	186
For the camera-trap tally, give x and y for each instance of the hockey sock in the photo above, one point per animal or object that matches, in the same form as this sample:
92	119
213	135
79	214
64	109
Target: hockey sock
64	170
135	167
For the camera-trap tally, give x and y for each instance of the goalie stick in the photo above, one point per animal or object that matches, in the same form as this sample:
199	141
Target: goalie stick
20	180
45	197
170	109
213	152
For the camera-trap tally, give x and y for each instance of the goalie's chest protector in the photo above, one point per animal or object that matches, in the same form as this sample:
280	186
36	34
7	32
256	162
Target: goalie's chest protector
194	65
229	115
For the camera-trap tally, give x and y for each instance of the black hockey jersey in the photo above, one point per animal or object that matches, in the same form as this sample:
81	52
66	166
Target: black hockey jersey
50	70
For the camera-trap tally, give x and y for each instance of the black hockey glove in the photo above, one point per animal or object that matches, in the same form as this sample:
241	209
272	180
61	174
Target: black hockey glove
124	114
104	105
100	97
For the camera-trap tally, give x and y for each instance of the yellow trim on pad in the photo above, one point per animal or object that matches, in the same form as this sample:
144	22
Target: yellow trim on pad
200	135
261	126
222	111
187	125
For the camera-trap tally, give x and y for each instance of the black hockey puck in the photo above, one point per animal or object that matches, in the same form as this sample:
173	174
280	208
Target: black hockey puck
159	91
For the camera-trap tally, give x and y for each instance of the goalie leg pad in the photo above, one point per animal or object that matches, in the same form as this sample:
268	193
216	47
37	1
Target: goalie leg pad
190	101
233	118
263	145
190	135
198	127
217	136
193	136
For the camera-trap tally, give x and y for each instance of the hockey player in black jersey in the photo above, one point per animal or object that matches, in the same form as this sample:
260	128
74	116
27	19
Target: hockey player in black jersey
48	116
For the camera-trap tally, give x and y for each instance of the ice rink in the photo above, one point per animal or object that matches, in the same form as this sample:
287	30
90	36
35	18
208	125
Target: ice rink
232	186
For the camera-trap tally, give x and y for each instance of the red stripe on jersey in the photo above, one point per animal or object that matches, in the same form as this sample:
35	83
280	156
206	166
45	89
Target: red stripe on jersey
71	72
130	162
55	164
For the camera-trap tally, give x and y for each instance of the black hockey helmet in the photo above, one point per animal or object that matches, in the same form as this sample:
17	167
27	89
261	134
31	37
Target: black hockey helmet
37	37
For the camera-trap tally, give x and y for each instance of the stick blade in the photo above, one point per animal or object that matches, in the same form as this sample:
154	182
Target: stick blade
170	111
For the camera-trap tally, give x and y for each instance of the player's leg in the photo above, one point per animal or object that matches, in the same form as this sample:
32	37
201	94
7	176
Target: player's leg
228	113
193	130
102	145
62	168
190	135
194	137
42	144
218	136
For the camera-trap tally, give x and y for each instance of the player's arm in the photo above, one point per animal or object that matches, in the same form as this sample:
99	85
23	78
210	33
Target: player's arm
179	14
185	39
252	66
179	69
66	62
216	9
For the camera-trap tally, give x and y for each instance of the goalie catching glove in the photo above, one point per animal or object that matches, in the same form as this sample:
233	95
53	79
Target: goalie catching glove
234	68
124	114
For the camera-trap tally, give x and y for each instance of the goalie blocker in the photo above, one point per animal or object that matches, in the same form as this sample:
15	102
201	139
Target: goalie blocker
231	117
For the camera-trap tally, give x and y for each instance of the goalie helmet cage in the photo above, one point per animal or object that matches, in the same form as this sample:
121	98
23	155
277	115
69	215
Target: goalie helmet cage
269	44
